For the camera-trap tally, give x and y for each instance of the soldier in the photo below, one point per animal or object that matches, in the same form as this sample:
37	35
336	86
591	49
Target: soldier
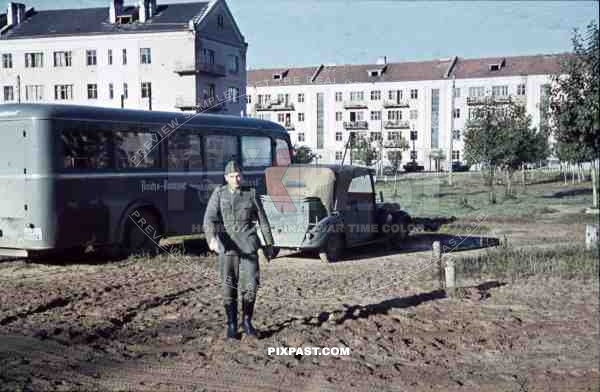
229	226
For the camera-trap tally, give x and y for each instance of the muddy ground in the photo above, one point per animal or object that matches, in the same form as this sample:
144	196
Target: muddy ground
157	324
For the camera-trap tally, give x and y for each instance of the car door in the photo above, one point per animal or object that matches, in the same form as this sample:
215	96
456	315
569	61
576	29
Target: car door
360	214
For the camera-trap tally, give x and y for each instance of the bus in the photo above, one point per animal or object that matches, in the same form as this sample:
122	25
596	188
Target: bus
74	176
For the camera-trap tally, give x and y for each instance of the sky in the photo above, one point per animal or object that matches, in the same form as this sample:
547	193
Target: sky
294	33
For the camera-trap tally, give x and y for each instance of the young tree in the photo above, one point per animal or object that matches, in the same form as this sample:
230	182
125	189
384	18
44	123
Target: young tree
303	154
363	151
574	103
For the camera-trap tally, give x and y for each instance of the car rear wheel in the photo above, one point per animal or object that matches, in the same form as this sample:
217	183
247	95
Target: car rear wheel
333	249
399	234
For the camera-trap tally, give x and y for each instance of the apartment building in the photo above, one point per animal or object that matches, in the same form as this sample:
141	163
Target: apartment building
153	56
427	103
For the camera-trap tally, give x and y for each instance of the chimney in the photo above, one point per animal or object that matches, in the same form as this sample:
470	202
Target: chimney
16	14
146	9
382	60
116	8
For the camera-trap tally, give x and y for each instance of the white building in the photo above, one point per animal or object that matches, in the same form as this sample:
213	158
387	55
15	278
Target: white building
150	56
322	105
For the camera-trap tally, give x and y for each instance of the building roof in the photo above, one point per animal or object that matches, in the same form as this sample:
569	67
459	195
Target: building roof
51	23
409	71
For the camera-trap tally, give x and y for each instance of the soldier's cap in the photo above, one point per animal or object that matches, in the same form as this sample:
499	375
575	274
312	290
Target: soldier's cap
232	167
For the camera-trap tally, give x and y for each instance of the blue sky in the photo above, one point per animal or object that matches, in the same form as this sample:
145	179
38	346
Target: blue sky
308	32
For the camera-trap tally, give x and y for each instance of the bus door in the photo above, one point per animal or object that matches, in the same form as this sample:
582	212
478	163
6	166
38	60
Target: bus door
14	136
184	186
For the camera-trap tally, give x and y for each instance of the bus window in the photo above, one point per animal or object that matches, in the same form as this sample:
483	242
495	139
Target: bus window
282	153
85	148
219	150
137	150
256	151
184	151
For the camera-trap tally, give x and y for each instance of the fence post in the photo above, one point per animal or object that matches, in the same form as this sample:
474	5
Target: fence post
591	236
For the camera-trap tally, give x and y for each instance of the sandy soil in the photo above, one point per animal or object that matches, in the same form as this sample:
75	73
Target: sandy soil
158	325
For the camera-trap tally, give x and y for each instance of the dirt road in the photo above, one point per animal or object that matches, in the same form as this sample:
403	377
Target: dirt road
157	325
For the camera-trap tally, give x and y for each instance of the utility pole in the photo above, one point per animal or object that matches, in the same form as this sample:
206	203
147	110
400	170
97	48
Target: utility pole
451	132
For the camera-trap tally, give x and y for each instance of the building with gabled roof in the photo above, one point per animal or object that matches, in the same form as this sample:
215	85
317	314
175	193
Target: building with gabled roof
321	106
172	57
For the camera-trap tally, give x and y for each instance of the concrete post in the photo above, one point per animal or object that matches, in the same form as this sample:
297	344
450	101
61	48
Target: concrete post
591	236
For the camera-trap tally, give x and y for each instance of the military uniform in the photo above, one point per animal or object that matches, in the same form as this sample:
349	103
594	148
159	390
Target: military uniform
230	217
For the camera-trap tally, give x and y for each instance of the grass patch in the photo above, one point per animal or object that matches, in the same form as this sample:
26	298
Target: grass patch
568	262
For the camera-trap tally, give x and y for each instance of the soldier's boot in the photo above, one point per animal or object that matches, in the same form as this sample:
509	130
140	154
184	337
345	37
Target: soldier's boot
248	309
231	312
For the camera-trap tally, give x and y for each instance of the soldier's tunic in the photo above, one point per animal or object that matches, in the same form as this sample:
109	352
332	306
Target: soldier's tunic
230	217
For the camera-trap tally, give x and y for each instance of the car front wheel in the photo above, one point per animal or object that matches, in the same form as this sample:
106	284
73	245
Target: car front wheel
333	249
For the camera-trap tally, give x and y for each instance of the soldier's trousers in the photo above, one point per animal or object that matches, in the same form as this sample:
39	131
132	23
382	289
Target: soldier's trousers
239	272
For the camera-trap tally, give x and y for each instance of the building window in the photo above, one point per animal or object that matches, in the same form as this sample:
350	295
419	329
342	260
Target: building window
125	91
300	98
456	134
414	94
111	91
146	89
338	116
233	94
455	155
34	60
92	91
457	92
300	136
476	91
375	95
375	136
456	113
521	89
357	96
395	95
63	92
338	96
220	21
339	155
34	93
280	117
499	91
413	114
9	93
124	56
356	116
394	115
300	117
392	136
110	59
248	98
207	56
376	115
233	64
91	57
7	60
145	56
62	59
338	136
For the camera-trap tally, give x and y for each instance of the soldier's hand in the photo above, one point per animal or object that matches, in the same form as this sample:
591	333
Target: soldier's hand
212	245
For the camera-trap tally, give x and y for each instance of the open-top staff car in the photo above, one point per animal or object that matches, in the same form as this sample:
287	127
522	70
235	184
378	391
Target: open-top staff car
328	208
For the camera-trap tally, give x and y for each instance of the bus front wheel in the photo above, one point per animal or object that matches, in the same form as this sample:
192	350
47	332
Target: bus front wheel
143	234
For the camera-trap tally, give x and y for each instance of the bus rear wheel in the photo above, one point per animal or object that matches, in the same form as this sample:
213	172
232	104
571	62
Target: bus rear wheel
143	233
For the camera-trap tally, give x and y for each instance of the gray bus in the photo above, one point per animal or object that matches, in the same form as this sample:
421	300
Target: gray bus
73	176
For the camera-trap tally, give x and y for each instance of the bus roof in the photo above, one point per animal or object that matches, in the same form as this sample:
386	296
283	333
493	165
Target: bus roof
47	111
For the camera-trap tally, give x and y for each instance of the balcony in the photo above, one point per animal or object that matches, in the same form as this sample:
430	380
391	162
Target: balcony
396	125
355	105
200	68
274	106
356	125
475	101
395	104
207	106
